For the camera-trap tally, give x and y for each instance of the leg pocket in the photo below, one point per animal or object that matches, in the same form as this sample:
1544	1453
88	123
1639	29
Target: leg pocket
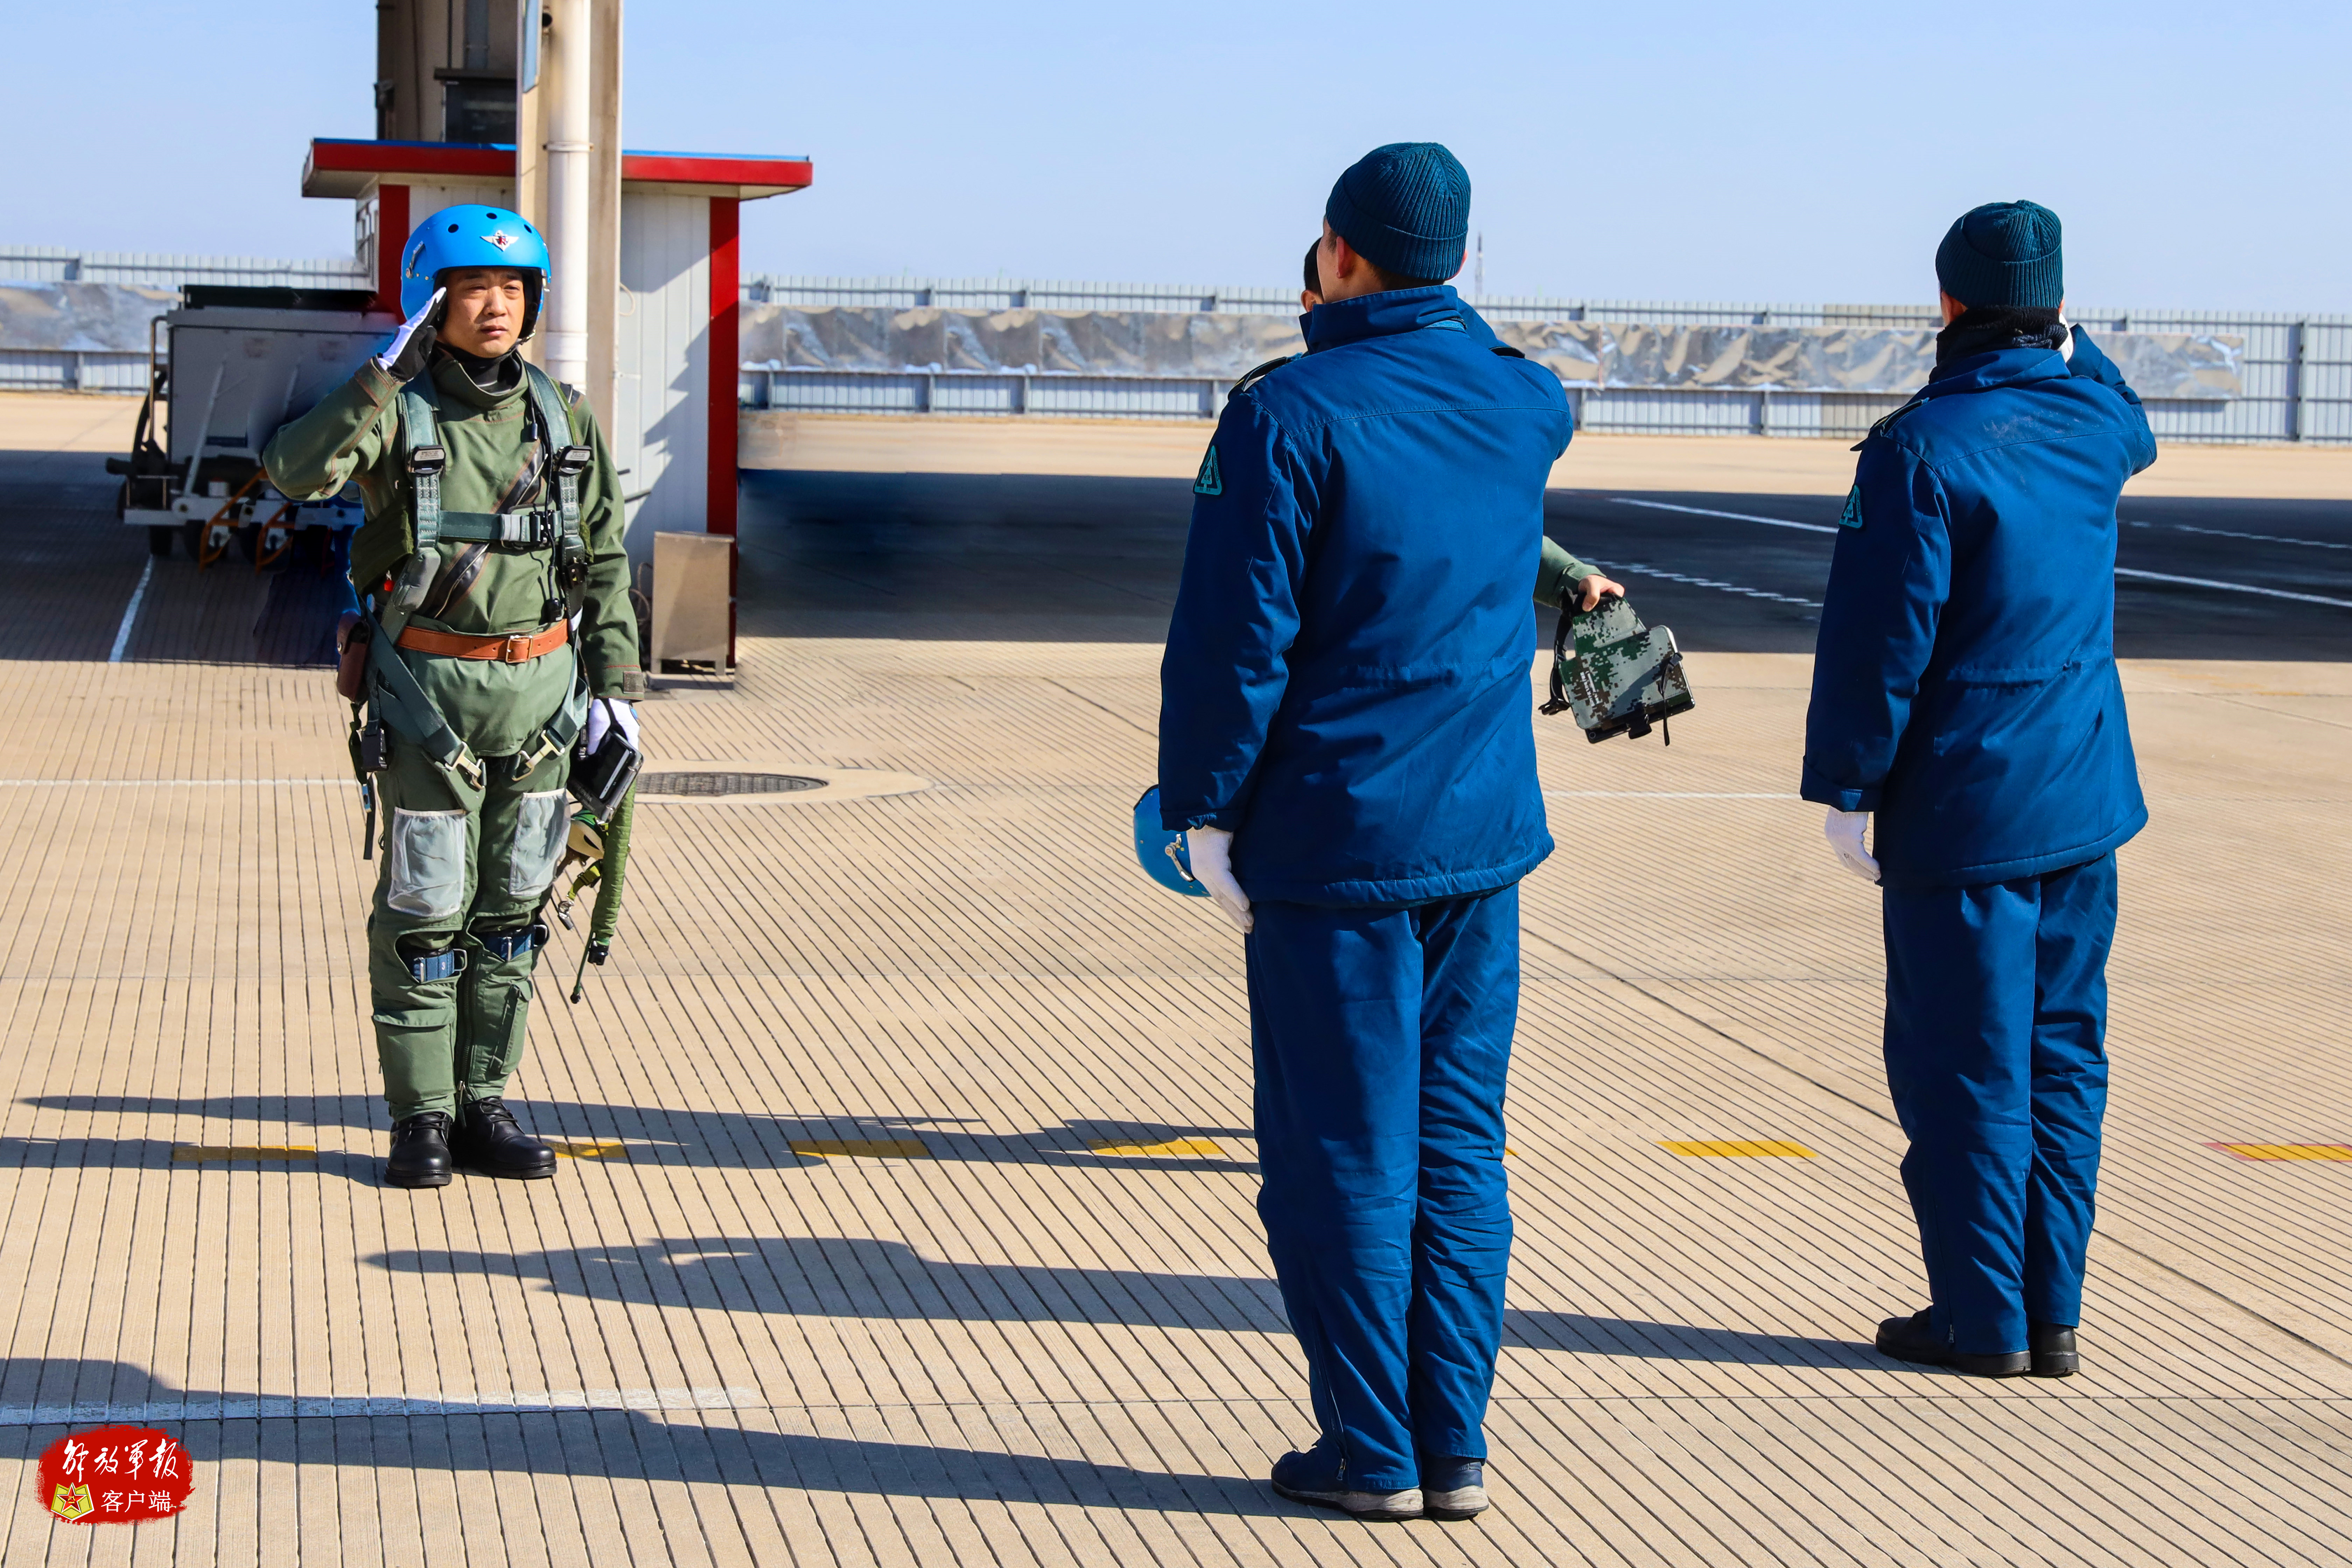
540	829
428	871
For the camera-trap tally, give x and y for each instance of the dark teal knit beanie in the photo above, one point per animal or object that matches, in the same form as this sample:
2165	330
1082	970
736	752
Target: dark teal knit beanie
1405	209
2003	253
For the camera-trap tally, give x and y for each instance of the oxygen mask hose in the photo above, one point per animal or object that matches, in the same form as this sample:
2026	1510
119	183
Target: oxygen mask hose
615	875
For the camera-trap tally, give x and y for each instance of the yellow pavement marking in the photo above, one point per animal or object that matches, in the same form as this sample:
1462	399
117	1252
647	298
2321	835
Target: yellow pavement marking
588	1148
1172	1146
2285	1151
1739	1147
863	1147
194	1152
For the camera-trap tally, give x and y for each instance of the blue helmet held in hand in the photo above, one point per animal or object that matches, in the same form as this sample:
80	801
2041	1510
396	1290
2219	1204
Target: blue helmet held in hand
1162	853
473	236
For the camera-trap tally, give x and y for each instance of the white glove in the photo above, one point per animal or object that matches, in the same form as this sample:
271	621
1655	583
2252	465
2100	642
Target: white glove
1844	830
1211	853
608	713
398	359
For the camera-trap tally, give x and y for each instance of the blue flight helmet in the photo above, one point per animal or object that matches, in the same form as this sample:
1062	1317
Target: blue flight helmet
1165	856
473	237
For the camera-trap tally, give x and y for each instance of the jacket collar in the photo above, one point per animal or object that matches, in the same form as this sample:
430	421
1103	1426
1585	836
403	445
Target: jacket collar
1996	367
458	389
1387	315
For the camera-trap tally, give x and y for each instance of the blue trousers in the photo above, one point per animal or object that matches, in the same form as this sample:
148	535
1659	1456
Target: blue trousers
1382	1038
1996	1057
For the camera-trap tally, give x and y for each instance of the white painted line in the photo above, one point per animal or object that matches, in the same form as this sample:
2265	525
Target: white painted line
131	612
2120	571
1735	516
269	1407
2258	538
1639	570
173	783
2233	587
1660	795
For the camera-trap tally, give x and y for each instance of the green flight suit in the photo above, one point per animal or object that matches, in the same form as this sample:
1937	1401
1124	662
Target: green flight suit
1559	571
466	864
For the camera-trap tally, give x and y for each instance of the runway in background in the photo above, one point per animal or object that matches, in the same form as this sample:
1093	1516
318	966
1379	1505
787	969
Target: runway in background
1096	559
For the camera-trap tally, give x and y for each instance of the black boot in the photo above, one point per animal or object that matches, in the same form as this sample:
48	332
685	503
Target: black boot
420	1152
1910	1339
1453	1489
2052	1349
488	1140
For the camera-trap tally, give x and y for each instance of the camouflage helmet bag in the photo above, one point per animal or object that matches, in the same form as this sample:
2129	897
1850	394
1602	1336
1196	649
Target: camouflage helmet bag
1617	675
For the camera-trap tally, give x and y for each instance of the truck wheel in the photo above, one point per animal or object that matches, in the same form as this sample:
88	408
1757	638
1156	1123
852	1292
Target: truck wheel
192	534
159	538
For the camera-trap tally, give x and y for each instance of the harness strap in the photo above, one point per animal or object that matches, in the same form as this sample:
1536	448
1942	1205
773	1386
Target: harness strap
438	966
506	945
401	703
535	530
421	429
555	416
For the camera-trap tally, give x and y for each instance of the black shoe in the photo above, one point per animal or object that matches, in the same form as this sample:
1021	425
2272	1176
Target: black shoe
420	1152
1454	1490
1320	1477
2052	1349
488	1140
1910	1339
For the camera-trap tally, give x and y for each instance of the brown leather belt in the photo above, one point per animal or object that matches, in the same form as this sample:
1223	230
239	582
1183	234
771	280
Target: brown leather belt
508	648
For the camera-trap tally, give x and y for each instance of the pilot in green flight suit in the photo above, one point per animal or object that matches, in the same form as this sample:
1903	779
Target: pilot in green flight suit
492	647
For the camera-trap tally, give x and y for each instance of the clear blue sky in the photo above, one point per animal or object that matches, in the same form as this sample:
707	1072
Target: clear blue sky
2197	152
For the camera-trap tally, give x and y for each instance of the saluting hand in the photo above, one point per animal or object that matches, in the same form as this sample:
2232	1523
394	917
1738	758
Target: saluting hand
404	358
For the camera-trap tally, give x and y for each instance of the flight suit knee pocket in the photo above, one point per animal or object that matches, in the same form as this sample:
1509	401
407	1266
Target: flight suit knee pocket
540	829
427	864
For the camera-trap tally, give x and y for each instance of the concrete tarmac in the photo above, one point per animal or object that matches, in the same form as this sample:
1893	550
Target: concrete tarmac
907	1212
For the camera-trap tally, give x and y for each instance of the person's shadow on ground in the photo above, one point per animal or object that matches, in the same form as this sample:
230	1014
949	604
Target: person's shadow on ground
862	1277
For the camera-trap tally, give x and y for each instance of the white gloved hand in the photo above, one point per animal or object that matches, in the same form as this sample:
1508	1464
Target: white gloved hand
605	714
404	358
1211	850
1844	830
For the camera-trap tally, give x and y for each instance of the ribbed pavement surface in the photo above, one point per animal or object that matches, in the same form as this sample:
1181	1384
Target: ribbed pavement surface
910	1214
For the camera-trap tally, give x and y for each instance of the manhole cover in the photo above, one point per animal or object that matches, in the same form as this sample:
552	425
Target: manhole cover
709	785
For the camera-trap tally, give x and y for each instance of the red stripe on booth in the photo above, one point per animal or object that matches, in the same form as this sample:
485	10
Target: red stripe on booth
726	312
391	238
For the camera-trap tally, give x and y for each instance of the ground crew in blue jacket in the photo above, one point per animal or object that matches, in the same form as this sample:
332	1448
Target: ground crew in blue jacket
1344	731
1965	696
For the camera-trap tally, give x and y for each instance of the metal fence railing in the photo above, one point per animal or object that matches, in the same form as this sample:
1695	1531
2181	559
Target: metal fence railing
125	369
166	269
2296	367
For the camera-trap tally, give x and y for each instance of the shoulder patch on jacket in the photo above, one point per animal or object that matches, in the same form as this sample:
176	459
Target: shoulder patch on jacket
1506	350
1209	481
1851	516
1882	426
1257	373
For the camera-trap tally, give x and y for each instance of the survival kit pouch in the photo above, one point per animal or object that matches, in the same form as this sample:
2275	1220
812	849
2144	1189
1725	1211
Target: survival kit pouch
1617	675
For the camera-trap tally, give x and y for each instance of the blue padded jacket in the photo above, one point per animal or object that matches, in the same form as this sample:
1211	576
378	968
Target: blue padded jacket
1964	683
1346	681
